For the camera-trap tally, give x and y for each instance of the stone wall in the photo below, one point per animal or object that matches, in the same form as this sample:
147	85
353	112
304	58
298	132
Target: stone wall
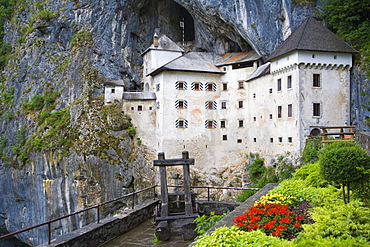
109	228
363	138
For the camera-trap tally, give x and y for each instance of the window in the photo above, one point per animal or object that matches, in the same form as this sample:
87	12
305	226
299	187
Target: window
239	141
210	105
270	91
181	123
241	123
313	55
335	56
132	108
280	139
223	124
196	86
254	139
150	108
157	104
290	139
224	137
316	109
112	90
210	124
224	86
139	107
271	140
290	110
289	82
181	85
157	87
254	119
223	104
241	84
270	116
240	104
279	112
279	85
254	96
316	80
181	104
210	86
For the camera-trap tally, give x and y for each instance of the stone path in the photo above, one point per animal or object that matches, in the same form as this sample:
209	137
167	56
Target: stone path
143	235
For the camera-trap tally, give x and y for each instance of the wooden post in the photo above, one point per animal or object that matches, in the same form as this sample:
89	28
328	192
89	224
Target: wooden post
187	189
164	191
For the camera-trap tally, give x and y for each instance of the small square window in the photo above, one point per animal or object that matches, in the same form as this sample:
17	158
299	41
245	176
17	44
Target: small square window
335	56
113	90
313	55
254	139
239	141
150	108
290	139
280	139
271	140
132	108
240	104
181	104
209	86
181	85
224	137
270	91
241	84
241	123
196	86
270	116
139	107
223	105
254	96
223	124
224	86
254	119
181	123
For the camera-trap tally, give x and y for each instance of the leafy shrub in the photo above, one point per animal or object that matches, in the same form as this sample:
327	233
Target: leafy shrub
311	151
232	237
204	223
296	188
330	242
310	173
344	162
271	218
339	220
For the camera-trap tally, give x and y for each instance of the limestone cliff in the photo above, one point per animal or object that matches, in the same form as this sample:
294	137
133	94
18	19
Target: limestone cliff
62	150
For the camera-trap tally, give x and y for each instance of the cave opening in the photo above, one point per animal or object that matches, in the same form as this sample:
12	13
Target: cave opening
186	24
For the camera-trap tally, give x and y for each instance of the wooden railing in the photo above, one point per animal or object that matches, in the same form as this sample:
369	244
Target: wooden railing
343	133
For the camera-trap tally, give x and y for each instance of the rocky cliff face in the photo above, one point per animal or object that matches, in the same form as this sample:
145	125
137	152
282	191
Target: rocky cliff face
62	150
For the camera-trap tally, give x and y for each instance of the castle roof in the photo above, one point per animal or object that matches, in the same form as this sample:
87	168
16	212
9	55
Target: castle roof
166	44
237	57
311	35
260	71
192	62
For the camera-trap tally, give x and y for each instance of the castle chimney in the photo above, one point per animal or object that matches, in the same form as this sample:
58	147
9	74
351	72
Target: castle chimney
155	40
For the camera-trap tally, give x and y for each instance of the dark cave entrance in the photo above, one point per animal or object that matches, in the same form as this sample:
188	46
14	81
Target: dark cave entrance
186	24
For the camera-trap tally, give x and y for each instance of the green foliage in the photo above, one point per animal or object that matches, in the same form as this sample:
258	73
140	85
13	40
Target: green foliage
3	143
339	220
330	242
278	199
45	15
256	169
311	151
310	173
296	188
81	39
40	102
131	130
349	19
20	140
6	10
233	237
204	223
344	162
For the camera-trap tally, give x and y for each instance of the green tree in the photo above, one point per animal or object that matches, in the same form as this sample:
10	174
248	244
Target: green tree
344	163
349	19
